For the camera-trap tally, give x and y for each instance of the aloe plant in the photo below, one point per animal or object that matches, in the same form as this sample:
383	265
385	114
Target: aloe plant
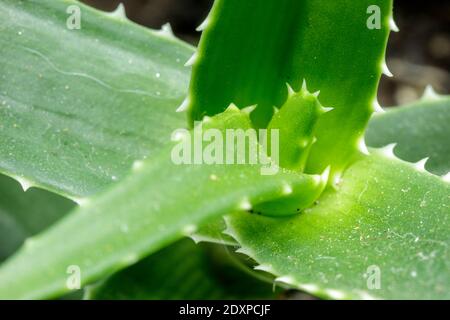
92	110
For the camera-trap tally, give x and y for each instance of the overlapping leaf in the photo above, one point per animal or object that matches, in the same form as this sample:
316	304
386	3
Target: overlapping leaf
251	49
24	214
77	107
420	130
382	234
156	205
184	271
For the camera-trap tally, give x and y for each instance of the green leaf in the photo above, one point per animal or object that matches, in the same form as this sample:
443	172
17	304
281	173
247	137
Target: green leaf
251	49
77	107
25	214
183	271
410	126
295	123
213	232
420	130
156	205
387	216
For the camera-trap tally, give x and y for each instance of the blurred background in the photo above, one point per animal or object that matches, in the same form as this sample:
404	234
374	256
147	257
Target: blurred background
417	55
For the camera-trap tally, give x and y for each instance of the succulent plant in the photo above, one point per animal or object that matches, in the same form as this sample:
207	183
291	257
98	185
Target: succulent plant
92	107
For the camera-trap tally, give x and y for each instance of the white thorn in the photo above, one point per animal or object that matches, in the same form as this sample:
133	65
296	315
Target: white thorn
82	202
264	267
189	229
184	105
325	175
335	294
362	146
275	110
446	177
24	183
314	140
388	150
166	30
213	177
119	12
203	25
245	204
377	107
420	165
232	107
393	25
206	119
249	109
245	251
304	87
191	60
137	165
386	70
429	94
195	238
291	91
316	94
287	189
326	109
228	232
309	287
286	279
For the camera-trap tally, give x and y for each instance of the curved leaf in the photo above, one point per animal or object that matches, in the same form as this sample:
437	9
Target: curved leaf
251	49
25	214
77	107
386	219
156	205
420	130
183	271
